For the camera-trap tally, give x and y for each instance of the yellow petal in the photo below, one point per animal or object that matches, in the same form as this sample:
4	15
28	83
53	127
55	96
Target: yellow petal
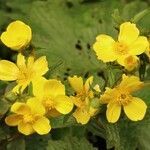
20	108
109	95
30	62
121	59
76	83
104	48
88	83
82	116
53	88
131	83
113	112
38	87
77	101
41	65
63	104
136	109
36	106
139	46
8	70
21	61
128	33
148	49
12	42
17	35
42	126
13	120
19	88
25	128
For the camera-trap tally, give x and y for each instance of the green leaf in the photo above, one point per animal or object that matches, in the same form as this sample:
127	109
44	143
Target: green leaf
63	121
70	143
144	93
17	144
140	15
37	142
144	137
4	106
3	134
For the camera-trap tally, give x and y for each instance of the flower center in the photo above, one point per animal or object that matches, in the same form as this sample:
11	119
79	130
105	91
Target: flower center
48	103
121	48
25	75
123	98
83	94
28	118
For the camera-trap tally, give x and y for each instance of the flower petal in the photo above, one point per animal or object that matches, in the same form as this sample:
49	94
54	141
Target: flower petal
38	87
131	83
8	70
121	59
113	112
136	109
10	42
25	128
53	88
13	120
36	106
109	94
88	82
76	101
41	65
76	83
21	61
128	33
30	61
82	116
19	88
63	104
20	108
104	48
42	126
139	46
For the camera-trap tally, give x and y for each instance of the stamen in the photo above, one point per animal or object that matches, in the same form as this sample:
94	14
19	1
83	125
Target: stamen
121	48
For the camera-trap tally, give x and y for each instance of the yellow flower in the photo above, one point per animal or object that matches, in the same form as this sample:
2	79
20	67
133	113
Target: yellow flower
120	96
82	100
17	35
129	43
131	63
29	117
148	50
51	93
24	72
